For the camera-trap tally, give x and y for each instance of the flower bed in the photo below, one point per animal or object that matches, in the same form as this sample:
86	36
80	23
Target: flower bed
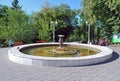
40	41
18	43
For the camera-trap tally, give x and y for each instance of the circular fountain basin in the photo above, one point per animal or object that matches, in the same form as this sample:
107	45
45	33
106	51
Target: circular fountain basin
17	56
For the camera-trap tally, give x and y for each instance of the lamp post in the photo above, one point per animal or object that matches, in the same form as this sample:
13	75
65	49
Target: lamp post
54	23
88	23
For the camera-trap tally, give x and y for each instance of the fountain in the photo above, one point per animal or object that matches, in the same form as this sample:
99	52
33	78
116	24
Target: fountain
61	48
58	54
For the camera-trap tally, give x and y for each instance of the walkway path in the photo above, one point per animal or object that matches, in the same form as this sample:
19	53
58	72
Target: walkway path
107	71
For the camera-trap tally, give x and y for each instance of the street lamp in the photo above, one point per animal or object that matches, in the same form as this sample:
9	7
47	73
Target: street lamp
88	23
54	23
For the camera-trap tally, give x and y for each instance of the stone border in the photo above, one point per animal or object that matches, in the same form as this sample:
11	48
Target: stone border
18	57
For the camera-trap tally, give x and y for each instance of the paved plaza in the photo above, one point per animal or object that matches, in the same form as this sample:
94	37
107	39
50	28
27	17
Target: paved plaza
107	71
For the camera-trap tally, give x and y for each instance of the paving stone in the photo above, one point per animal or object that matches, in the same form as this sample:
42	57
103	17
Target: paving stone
107	71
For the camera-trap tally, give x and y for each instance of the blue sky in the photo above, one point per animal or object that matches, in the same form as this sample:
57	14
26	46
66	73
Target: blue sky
35	5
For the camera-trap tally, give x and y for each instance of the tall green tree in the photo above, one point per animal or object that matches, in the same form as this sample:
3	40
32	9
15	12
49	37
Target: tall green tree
106	15
3	18
16	25
15	5
62	14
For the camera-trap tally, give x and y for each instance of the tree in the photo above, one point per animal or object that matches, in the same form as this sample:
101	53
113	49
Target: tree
62	14
15	25
16	5
19	28
108	13
3	18
105	14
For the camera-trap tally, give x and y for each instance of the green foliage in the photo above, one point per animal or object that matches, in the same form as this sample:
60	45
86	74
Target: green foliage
62	14
104	15
106	12
17	26
15	5
3	18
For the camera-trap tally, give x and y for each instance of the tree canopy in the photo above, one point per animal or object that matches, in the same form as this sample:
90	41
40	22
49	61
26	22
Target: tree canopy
103	16
62	14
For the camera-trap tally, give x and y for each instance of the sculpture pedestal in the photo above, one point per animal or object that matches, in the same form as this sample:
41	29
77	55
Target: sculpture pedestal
60	49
